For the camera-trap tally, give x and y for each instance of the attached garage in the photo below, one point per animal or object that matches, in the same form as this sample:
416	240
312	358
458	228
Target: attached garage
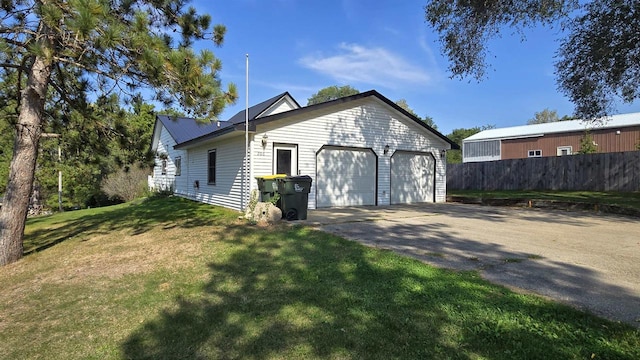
345	177
412	177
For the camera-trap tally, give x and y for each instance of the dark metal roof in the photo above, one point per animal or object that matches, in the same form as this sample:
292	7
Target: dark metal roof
184	129
258	109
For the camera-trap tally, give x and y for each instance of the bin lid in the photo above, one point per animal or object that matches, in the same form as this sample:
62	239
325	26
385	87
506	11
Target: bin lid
298	178
271	177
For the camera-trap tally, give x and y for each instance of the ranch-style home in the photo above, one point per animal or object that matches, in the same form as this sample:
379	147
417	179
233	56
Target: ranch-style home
358	150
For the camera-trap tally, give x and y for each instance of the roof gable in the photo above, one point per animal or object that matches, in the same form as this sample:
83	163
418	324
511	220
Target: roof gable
347	99
259	114
184	129
256	110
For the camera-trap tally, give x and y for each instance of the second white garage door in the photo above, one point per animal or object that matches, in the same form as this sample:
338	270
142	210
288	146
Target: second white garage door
412	177
345	177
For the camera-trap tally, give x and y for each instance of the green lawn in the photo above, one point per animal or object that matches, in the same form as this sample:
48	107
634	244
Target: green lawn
621	199
168	278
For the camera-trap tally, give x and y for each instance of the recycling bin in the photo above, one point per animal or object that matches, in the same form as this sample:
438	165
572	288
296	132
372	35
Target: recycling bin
268	186
294	196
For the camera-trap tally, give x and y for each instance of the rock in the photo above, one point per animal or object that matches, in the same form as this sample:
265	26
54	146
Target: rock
265	213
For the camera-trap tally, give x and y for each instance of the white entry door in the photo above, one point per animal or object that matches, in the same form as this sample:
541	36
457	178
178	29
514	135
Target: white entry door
412	177
345	177
285	159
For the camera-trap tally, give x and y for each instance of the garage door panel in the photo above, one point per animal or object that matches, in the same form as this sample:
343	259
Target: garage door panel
412	178
346	177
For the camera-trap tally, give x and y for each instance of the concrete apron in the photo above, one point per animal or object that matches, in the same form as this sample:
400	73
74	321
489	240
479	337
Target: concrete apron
332	216
583	259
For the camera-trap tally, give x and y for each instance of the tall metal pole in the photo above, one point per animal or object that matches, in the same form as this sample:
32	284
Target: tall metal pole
59	178
50	135
245	181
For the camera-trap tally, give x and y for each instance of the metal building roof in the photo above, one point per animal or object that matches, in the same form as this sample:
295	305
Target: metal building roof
613	121
183	129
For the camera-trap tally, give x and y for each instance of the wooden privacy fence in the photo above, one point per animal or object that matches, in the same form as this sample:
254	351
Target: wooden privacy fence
590	172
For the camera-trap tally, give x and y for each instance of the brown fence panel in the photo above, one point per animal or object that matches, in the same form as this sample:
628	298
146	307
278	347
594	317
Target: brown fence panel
590	172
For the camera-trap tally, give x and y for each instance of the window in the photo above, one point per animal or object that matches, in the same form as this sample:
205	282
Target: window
479	149
564	150
178	163
164	167
211	173
535	153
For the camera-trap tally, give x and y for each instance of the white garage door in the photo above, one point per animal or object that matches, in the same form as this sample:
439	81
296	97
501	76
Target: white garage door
412	177
346	177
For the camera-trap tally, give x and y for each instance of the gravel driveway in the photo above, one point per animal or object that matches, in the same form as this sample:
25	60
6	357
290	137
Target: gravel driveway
591	261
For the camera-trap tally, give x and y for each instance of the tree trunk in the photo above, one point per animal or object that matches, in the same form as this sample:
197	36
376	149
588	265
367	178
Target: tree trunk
13	214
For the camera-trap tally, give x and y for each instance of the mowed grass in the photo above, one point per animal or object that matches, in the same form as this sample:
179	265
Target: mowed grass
613	198
167	278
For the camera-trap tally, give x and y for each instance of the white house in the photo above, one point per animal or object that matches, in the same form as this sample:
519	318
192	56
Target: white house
359	150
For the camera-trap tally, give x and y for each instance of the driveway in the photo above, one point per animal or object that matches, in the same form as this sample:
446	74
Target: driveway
588	260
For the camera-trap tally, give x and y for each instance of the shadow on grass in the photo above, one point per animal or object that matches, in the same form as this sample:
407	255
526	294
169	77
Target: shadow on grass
299	293
136	218
443	246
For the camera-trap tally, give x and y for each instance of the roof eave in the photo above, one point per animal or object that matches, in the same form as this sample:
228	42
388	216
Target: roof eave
229	130
347	99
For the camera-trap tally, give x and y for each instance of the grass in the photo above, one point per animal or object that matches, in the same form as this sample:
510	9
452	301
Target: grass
622	199
168	278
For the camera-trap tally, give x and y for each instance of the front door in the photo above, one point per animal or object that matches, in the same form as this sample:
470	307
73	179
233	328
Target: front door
285	159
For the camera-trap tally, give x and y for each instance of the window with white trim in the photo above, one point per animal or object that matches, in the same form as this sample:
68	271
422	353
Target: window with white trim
535	153
163	169
211	167
178	163
564	150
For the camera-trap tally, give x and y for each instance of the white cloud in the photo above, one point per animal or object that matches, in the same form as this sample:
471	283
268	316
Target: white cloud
376	66
284	86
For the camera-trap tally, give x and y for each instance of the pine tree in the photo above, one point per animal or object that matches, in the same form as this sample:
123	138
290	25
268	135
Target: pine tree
61	51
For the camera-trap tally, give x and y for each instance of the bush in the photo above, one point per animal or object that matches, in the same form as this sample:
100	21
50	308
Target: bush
126	184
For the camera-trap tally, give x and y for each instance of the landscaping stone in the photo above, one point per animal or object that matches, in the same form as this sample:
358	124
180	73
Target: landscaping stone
265	213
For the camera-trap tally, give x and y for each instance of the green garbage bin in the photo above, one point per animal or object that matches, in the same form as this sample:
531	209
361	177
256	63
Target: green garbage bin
268	186
294	196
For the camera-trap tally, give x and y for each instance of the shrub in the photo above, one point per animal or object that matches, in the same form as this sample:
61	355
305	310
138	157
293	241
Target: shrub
126	184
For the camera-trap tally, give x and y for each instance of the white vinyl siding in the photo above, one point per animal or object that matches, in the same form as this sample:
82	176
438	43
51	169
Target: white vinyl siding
167	181
365	123
281	106
227	190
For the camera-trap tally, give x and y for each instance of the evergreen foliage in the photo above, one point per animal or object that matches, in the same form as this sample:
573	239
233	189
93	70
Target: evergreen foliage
63	53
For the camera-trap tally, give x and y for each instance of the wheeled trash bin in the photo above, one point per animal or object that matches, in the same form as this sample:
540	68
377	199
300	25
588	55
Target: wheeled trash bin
294	196
268	186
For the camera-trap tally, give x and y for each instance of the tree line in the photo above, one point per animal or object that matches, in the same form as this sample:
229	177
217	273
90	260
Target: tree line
62	61
88	151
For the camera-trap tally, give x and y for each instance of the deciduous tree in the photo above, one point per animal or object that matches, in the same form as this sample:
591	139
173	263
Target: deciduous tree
63	50
597	62
544	116
331	93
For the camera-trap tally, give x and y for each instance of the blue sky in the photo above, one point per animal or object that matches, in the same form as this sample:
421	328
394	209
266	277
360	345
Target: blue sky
302	46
